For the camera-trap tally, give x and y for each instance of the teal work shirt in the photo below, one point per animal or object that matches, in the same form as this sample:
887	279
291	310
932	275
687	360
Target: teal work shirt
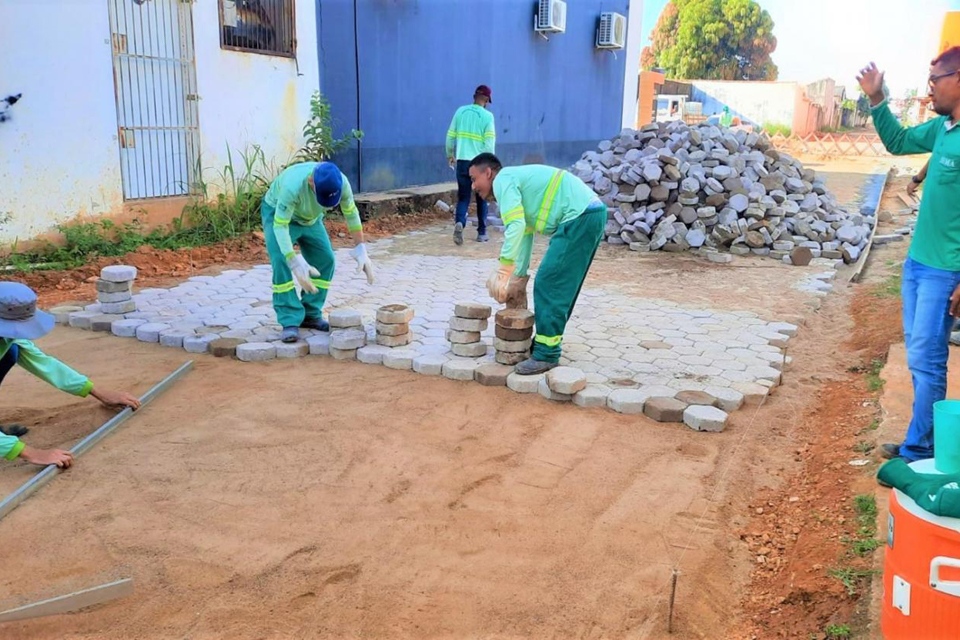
295	202
536	198
48	369
936	240
471	133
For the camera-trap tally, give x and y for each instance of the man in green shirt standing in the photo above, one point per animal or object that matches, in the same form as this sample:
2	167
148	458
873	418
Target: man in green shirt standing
539	199
931	273
471	133
20	323
292	211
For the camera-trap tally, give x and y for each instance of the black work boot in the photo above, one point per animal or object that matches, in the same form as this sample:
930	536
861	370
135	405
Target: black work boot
890	451
315	323
531	367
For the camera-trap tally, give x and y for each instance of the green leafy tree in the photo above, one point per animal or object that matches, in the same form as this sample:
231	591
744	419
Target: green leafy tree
714	40
319	143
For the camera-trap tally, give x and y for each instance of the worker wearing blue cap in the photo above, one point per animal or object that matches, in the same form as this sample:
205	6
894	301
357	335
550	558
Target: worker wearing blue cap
20	324
293	211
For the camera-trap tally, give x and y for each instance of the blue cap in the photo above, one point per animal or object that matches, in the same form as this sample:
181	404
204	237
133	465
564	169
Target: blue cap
327	182
19	317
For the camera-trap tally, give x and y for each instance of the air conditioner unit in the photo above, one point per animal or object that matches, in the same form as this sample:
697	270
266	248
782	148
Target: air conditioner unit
551	17
612	31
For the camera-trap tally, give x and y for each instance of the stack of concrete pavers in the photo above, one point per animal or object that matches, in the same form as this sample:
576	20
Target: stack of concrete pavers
466	325
393	325
513	335
346	333
114	299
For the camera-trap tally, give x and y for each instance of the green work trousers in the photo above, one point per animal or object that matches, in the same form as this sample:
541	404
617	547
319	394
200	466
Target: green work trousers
316	250
560	276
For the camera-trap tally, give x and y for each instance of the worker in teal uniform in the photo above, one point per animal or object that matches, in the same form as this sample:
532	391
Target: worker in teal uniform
293	211
540	199
20	323
471	133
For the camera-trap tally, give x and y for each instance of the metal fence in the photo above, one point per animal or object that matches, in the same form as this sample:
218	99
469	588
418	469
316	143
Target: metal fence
831	144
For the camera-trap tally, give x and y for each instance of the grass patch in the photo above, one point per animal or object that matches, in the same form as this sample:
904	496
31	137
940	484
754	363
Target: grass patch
874	381
852	578
838	631
873	426
863	447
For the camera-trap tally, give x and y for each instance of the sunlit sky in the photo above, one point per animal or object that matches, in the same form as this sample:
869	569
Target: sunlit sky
835	38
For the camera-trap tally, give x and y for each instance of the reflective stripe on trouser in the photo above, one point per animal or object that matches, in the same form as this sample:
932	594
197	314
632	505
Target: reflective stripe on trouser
560	276
316	250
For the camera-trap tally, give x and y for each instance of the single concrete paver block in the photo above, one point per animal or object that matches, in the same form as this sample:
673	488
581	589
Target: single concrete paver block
343	354
664	409
543	388
566	380
81	319
345	319
174	338
492	375
105	286
468	324
123	296
126	328
697	397
319	344
296	349
628	401
61	314
514	318
225	347
394	341
512	346
401	359
150	332
513	334
656	391
256	351
502	357
593	395
395	314
459	369
372	354
462	337
727	399
429	364
104	322
655	344
118	273
753	393
119	307
704	418
345	339
199	344
524	384
392	329
471	310
474	350
719	258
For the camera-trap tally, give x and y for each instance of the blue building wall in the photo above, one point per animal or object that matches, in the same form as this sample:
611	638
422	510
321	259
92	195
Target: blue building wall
418	60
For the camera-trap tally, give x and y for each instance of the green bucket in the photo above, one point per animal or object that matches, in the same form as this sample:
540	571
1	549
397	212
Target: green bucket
946	436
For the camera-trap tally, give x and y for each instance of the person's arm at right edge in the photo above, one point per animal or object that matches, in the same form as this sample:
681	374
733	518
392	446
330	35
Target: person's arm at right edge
897	139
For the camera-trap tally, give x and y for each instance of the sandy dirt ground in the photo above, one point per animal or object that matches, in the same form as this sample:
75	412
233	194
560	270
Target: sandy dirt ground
316	498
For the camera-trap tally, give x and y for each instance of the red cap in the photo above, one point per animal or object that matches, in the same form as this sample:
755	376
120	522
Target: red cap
484	90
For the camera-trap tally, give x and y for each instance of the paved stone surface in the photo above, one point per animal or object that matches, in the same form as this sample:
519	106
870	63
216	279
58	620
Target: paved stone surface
694	396
343	354
543	388
345	339
173	338
126	328
81	319
198	344
566	380
458	369
515	318
104	322
372	354
704	418
664	409
492	375
524	384
474	350
150	332
399	359
395	314
256	351
467	324
118	273
471	310
296	349
399	329
594	395
225	347
626	401
429	365
345	319
61	314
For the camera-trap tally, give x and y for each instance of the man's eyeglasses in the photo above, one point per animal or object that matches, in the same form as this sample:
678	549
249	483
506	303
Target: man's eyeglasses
932	80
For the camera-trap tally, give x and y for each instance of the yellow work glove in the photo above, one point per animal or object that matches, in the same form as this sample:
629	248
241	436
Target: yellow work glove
498	281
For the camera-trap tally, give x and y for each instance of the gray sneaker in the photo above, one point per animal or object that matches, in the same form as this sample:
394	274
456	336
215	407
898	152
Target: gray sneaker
290	334
483	237
458	233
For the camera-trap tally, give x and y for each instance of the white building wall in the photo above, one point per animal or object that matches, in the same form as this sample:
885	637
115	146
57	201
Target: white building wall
60	159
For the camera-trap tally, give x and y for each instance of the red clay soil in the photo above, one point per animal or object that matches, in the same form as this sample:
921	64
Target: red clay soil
158	267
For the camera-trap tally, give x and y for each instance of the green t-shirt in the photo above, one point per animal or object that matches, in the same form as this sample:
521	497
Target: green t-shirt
936	240
471	133
536	198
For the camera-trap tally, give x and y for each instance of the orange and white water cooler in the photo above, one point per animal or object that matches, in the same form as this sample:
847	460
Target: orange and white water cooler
921	571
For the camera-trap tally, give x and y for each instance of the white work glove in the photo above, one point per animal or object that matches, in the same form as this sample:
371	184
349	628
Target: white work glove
302	272
498	281
359	254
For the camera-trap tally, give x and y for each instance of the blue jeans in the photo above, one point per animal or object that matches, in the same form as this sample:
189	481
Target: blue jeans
926	330
464	191
8	360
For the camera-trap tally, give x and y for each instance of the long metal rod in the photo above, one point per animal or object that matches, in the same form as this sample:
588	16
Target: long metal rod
49	472
858	271
71	601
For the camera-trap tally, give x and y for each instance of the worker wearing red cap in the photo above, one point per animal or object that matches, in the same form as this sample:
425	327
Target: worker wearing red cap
292	211
471	133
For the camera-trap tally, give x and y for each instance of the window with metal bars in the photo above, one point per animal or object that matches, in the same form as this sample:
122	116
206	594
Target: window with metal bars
258	26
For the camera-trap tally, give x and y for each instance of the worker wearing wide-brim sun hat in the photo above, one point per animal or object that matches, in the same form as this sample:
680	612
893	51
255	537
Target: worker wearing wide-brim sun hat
293	211
21	323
